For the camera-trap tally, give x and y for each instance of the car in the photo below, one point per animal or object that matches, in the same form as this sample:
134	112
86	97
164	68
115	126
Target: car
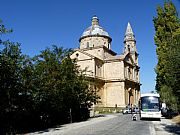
126	111
136	110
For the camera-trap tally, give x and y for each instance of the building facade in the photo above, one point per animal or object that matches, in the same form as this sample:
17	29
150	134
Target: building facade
115	77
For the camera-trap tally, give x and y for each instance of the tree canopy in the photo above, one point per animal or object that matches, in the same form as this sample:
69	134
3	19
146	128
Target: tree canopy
167	40
41	91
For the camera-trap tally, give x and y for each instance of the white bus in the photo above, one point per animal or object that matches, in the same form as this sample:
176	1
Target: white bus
149	105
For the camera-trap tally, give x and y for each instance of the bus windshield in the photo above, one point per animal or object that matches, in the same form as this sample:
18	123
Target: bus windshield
150	103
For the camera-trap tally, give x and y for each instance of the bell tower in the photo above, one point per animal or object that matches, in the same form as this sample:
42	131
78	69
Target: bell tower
130	43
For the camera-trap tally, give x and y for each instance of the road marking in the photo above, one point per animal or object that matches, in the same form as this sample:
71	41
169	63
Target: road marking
151	129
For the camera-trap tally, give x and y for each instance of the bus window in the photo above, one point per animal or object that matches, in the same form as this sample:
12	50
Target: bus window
150	103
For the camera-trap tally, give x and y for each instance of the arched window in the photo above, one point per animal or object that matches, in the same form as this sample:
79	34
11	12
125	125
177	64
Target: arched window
87	45
129	48
109	45
129	72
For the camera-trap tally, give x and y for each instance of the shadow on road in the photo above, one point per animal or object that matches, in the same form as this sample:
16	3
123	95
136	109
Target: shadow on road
175	129
152	119
59	127
50	129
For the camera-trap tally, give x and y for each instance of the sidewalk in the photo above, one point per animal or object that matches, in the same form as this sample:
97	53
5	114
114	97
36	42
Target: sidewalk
166	127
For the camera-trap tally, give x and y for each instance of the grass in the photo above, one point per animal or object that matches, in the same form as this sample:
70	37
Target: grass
108	109
176	119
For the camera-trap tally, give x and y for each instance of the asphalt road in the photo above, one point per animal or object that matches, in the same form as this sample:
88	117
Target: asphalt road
117	124
120	125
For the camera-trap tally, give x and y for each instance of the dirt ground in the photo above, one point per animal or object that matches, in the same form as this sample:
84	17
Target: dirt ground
176	119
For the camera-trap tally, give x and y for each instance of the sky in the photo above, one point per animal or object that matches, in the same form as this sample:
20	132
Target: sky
38	24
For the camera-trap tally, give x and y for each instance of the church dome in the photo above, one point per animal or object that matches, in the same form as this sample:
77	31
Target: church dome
95	30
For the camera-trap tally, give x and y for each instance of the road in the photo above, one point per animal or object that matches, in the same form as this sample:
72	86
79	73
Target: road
116	124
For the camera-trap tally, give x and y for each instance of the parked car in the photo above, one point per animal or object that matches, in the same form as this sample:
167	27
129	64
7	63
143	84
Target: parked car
126	111
136	110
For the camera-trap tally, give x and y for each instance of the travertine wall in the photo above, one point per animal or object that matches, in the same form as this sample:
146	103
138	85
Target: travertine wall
132	93
114	70
114	94
99	70
107	54
100	91
94	42
98	52
85	62
89	65
80	56
112	87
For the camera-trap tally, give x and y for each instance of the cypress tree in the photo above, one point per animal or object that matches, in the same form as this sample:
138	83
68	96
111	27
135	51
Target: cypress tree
167	28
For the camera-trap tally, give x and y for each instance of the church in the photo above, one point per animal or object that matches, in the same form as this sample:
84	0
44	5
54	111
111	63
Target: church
115	77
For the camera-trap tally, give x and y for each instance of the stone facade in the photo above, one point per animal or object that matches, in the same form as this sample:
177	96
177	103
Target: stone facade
116	77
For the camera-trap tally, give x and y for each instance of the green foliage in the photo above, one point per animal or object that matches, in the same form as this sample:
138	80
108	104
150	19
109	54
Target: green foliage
39	92
167	27
60	82
10	82
168	97
3	29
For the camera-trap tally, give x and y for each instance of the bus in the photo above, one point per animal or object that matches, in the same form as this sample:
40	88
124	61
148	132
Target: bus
149	106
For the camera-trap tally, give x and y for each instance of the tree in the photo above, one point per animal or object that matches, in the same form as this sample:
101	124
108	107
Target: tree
39	92
167	27
60	85
10	85
168	97
15	87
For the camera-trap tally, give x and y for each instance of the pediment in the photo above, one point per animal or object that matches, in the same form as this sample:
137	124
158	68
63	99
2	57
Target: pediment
81	55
